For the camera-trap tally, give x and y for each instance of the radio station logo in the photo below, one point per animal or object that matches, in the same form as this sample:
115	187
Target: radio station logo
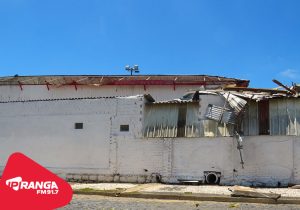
32	186
42	187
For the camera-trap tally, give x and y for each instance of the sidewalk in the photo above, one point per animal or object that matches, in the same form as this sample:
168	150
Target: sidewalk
183	192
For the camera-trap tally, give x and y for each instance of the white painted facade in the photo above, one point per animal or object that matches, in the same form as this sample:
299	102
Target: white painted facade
33	92
44	130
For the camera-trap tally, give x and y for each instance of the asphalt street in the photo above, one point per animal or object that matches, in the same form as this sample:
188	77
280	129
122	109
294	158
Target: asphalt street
114	203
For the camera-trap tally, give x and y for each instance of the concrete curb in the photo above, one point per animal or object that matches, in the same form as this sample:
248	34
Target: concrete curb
190	197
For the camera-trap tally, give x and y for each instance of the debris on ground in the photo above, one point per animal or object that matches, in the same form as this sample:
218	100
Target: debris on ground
240	191
295	187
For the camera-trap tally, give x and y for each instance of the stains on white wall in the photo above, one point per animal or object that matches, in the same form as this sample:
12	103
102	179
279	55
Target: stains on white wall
100	151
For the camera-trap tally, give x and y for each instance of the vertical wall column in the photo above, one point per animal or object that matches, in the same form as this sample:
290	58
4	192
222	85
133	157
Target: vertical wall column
296	160
113	162
167	160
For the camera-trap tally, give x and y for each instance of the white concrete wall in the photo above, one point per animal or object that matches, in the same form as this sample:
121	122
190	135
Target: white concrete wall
268	160
33	92
44	130
194	156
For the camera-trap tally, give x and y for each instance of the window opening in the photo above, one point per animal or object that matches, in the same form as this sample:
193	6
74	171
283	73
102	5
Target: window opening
181	120
124	128
78	125
263	117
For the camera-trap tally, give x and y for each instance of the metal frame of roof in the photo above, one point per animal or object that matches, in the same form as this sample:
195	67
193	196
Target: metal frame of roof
120	80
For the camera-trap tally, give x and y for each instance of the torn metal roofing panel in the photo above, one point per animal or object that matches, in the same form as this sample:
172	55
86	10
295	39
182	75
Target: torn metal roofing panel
259	94
296	87
234	101
220	114
290	90
254	90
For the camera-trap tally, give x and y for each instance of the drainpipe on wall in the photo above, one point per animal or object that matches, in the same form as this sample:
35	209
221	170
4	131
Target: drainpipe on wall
239	141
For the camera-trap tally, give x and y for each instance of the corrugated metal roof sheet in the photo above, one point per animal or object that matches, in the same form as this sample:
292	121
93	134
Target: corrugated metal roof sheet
235	102
79	98
57	99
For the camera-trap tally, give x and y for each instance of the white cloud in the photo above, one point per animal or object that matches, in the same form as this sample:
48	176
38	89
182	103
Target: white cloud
290	73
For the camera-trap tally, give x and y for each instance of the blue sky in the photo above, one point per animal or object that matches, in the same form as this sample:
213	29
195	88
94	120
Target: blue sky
253	39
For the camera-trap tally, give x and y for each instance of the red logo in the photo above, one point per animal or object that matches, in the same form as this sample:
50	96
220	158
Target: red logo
27	185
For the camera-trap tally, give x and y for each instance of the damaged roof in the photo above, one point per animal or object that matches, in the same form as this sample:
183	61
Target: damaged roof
99	80
236	97
259	94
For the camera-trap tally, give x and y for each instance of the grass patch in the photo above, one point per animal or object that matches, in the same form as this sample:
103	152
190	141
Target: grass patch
234	205
91	190
85	190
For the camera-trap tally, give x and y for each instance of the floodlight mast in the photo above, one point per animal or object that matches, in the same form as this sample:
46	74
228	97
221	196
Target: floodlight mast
134	69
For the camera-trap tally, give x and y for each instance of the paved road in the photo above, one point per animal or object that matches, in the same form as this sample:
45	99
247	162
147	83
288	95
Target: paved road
84	202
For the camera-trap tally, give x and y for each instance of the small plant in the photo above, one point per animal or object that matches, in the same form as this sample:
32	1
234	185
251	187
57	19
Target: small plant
234	205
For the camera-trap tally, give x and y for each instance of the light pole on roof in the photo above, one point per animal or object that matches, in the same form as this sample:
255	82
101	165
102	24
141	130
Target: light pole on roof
134	69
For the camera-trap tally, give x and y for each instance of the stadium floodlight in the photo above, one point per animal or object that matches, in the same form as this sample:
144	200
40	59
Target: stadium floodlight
134	69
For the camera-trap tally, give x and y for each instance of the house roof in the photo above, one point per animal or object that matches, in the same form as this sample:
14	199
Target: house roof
100	80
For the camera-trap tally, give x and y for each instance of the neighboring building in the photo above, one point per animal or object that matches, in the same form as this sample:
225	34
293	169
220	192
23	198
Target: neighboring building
223	132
